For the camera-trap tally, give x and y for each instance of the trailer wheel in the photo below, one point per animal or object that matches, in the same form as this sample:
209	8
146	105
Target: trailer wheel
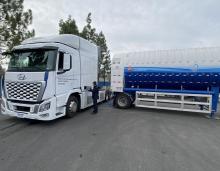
123	101
72	106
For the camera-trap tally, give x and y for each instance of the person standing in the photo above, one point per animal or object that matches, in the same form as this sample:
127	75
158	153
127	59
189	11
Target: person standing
95	97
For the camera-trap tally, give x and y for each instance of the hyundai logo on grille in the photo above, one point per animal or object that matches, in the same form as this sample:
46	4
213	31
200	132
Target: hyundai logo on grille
21	77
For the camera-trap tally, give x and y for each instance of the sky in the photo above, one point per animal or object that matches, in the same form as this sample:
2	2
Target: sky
136	25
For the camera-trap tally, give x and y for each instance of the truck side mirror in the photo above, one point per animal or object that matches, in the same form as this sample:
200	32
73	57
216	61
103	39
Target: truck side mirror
64	62
67	62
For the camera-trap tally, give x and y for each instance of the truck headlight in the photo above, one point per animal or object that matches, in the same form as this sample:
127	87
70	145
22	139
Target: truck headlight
44	107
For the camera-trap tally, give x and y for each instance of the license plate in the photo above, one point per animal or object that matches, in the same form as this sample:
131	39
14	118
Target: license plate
20	115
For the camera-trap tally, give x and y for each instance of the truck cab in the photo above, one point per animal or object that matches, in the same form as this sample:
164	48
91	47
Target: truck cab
49	77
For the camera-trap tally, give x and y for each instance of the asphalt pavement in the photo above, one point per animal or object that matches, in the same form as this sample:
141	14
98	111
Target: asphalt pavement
112	140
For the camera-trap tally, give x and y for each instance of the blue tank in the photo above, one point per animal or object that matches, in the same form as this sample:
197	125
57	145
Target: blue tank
201	79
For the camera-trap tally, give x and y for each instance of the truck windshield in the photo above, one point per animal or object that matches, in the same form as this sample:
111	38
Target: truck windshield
36	60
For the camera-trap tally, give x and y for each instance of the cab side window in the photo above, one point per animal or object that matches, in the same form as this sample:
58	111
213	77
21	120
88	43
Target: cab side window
61	60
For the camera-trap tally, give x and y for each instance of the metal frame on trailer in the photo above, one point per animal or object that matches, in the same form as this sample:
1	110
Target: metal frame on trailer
210	106
154	100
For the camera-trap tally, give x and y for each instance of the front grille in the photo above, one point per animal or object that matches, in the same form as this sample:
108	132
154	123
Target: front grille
27	91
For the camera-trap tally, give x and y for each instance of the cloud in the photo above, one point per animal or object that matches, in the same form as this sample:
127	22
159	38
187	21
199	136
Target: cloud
136	25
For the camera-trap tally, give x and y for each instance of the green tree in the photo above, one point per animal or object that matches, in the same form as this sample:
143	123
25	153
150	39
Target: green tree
14	22
88	32
104	62
68	27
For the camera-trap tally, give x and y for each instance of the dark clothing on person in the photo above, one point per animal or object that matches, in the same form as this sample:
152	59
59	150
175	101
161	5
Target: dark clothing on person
95	92
95	97
95	106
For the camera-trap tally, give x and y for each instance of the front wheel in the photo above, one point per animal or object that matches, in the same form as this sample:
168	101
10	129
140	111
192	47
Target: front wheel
123	101
72	106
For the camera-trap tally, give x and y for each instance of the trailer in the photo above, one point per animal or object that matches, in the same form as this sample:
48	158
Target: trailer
50	77
180	79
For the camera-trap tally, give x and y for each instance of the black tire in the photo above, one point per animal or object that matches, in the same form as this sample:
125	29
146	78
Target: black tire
72	106
122	101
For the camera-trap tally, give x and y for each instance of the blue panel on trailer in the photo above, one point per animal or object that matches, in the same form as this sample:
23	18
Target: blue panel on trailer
172	78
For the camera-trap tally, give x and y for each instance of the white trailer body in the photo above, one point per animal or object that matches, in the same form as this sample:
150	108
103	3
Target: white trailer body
49	77
194	59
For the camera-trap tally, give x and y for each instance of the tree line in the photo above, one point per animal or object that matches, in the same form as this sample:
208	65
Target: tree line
14	23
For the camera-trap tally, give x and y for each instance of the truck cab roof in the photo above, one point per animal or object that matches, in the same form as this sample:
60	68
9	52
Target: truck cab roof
70	40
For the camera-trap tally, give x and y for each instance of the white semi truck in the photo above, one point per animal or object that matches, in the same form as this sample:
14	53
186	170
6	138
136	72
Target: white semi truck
49	77
179	79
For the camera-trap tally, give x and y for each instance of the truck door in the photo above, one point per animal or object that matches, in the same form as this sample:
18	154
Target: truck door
68	73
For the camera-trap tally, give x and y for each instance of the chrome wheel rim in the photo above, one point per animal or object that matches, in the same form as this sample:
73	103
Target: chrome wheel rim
122	101
73	106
